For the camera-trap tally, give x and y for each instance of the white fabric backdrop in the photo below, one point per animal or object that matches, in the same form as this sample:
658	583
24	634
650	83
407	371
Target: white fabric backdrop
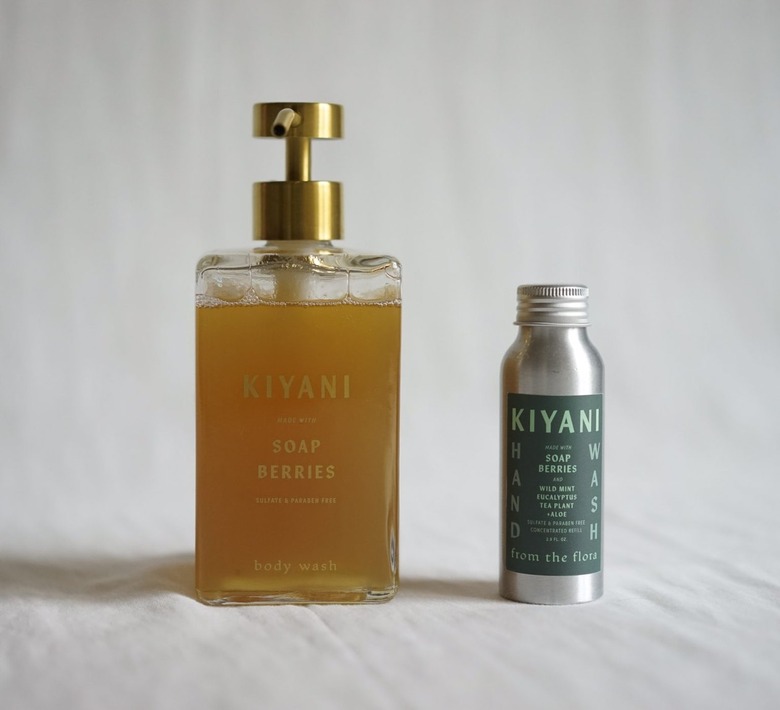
632	146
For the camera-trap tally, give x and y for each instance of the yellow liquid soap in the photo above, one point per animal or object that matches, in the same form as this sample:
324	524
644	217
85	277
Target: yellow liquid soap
297	452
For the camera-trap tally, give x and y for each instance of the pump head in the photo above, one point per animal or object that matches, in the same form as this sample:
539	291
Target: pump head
298	207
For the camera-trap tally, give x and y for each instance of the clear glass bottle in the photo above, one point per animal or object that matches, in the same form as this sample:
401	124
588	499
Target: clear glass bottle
552	422
298	353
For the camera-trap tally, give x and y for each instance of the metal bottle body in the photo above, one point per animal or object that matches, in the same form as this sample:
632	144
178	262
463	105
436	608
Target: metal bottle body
547	360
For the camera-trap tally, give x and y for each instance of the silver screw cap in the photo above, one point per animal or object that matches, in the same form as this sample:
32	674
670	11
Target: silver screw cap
552	304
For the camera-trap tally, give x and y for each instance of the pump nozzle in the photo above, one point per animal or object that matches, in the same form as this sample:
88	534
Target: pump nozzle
284	121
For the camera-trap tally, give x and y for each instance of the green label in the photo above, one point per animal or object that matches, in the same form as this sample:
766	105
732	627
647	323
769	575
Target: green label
553	484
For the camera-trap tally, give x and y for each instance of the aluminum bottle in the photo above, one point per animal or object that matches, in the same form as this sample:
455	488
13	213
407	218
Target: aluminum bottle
552	422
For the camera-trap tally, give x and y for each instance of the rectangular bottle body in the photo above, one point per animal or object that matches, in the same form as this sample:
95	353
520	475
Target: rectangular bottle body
298	356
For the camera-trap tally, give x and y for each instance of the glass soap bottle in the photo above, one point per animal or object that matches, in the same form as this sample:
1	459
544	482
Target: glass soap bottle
297	387
552	422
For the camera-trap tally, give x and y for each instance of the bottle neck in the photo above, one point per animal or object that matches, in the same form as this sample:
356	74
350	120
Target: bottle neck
565	332
297	245
553	334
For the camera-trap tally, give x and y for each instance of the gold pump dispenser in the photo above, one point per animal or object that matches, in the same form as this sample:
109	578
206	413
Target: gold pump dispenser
298	207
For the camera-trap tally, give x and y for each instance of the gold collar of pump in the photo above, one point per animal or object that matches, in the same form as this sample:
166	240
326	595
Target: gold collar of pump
298	207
